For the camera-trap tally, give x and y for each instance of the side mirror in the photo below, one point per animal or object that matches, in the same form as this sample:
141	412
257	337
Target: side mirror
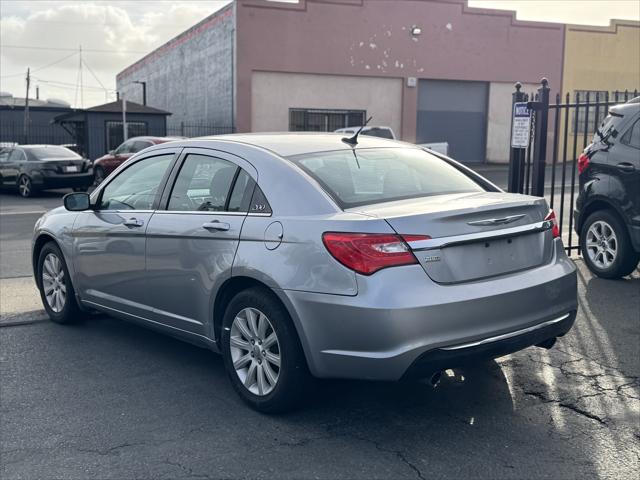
76	202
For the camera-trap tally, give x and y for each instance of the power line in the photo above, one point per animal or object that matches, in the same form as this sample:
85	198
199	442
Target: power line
42	67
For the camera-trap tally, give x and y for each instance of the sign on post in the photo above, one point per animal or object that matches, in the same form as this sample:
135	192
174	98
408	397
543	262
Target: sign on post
521	125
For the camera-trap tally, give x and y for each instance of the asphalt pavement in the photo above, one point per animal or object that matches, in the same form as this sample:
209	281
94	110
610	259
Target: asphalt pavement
106	399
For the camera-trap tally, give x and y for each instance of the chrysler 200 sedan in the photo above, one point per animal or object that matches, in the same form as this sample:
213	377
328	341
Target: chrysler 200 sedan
311	255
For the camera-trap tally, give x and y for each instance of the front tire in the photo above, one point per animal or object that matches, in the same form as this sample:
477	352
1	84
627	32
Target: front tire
25	186
262	353
56	291
606	246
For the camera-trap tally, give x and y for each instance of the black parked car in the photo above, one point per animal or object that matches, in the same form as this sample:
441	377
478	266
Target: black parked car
30	168
607	213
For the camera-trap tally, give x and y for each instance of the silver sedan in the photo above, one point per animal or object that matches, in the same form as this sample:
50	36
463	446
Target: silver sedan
310	255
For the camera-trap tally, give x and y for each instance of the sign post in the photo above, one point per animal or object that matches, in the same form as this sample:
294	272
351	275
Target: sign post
520	133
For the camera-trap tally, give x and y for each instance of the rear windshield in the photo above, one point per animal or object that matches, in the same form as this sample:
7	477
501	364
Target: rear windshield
378	132
604	131
375	175
52	153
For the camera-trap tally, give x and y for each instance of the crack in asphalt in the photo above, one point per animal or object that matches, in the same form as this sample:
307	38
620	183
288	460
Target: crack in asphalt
187	470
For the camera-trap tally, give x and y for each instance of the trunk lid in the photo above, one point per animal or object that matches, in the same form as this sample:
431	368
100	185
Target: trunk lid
473	235
63	166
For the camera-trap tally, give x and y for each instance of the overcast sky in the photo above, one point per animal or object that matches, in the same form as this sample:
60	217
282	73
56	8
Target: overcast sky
45	35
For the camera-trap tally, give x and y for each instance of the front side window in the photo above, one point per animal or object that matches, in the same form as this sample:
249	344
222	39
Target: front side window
203	184
136	187
365	176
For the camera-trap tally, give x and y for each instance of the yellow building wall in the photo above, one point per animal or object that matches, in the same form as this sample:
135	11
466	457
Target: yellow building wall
598	58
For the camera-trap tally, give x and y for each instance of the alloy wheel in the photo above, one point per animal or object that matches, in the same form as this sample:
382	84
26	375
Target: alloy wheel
55	290
602	244
24	186
255	351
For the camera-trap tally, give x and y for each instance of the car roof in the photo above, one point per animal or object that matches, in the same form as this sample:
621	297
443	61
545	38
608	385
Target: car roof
287	144
153	139
631	107
39	146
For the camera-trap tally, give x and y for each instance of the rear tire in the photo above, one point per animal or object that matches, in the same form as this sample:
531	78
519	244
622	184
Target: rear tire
56	291
247	359
25	186
606	246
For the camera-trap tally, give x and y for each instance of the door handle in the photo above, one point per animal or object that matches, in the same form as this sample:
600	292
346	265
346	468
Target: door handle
626	167
133	222
216	225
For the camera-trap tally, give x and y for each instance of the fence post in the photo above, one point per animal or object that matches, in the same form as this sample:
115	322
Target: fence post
540	140
516	155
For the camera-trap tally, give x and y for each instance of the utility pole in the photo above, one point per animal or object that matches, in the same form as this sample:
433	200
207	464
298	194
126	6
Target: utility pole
81	86
26	109
125	135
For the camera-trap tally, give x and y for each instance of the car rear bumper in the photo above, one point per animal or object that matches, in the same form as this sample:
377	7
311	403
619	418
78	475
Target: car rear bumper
401	321
69	180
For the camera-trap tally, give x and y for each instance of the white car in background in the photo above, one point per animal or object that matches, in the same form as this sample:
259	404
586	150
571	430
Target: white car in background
387	132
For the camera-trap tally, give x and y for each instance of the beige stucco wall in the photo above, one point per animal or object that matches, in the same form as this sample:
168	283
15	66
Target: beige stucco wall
272	94
499	119
600	59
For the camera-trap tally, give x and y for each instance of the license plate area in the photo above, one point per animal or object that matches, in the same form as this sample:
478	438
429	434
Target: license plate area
485	258
71	169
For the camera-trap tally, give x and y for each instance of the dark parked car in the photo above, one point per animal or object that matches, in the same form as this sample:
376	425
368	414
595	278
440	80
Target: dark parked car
31	168
106	164
607	213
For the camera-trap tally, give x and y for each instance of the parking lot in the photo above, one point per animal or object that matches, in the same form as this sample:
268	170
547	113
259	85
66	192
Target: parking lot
107	399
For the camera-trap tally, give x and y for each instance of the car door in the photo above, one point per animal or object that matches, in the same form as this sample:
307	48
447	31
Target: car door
4	160
626	160
11	168
191	244
109	239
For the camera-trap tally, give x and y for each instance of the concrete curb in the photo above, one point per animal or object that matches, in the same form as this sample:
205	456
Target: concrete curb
23	318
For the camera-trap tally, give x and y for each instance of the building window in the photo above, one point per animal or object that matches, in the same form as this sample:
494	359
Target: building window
115	135
317	120
589	95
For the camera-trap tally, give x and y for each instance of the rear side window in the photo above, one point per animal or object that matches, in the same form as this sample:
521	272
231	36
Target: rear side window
139	146
203	184
17	155
632	136
378	132
53	153
366	176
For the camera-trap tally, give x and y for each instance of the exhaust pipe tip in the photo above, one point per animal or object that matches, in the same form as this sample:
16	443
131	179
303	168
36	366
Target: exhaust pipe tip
547	344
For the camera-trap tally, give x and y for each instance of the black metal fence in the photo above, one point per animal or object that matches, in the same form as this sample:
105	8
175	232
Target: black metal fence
46	134
197	129
570	124
13	133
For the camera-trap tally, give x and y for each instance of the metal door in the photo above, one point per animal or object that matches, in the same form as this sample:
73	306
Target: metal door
454	112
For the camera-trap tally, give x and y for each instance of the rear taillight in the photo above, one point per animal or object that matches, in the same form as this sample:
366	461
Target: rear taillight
583	162
555	230
366	253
